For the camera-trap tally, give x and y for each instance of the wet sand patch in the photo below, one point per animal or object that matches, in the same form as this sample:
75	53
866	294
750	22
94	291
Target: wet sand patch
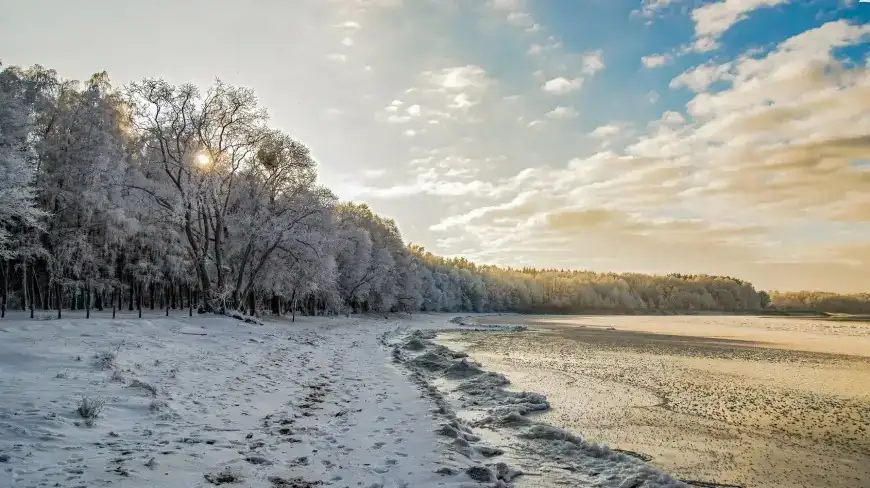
728	409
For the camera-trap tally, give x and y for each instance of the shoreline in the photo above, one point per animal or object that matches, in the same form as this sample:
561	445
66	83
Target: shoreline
478	408
722	406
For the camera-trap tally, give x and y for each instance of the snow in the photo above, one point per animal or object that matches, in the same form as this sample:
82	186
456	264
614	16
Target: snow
316	400
211	400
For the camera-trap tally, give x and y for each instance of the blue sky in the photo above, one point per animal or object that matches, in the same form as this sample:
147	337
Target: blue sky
664	135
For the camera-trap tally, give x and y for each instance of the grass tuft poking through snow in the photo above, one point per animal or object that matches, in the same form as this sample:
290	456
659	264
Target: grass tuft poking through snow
106	359
90	408
148	387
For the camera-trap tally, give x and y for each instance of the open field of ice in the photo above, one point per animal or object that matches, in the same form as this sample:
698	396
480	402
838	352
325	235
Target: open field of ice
745	401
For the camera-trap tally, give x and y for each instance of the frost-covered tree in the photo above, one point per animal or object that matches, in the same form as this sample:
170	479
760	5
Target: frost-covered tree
18	210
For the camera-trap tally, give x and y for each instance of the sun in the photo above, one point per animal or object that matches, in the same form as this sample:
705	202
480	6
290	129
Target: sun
202	160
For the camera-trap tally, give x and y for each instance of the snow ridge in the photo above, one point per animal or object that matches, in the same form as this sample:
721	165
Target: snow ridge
477	410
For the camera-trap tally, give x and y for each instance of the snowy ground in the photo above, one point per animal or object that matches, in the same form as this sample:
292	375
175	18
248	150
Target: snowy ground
207	401
203	401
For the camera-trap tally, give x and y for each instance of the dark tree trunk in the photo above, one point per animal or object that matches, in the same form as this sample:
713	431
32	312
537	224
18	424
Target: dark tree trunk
251	304
5	290
32	291
44	294
151	291
139	300
276	305
88	299
59	298
189	302
98	300
113	301
132	285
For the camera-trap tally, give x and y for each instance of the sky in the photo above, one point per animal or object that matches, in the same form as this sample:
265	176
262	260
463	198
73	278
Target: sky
724	137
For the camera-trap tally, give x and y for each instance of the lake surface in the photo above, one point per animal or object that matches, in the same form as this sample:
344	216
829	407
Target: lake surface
737	400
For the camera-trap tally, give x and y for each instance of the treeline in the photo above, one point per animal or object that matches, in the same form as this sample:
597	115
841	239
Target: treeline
818	301
155	195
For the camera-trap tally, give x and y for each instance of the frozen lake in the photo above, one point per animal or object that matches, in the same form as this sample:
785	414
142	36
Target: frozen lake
745	401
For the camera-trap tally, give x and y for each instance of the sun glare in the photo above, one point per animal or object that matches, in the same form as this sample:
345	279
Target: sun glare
202	160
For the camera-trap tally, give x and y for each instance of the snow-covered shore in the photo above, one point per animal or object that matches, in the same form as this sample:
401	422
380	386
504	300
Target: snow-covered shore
204	401
210	400
494	427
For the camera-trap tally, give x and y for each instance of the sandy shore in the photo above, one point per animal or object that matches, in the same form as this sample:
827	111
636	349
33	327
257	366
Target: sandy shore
736	400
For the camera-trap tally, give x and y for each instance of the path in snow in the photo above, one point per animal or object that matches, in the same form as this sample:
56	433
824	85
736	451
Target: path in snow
208	400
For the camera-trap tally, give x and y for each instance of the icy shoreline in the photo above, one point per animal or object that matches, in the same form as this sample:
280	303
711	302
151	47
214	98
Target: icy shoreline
474	402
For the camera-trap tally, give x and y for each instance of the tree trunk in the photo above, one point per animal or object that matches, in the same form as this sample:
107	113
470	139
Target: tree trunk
5	290
113	301
152	288
88	299
189	302
130	305
24	286
139	299
276	305
59	298
98	299
32	291
251	304
38	291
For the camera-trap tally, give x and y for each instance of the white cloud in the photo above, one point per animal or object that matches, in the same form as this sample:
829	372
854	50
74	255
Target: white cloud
462	101
606	131
398	119
562	85
593	62
649	8
521	19
341	58
561	112
672	118
460	77
714	19
508	5
535	49
413	110
656	60
701	77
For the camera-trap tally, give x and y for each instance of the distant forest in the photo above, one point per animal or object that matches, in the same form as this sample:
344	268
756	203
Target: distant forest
155	195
